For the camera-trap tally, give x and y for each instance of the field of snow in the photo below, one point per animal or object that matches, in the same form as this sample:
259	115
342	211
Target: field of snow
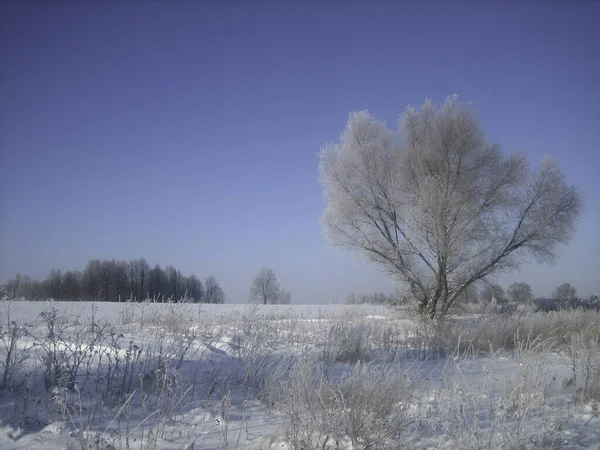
108	376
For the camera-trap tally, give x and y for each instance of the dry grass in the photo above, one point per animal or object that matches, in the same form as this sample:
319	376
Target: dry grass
331	382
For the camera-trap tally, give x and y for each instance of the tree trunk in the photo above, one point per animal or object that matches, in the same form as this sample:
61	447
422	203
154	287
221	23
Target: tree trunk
433	306
441	290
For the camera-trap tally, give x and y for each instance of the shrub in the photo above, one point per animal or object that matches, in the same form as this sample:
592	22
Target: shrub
14	363
494	412
584	351
348	341
365	406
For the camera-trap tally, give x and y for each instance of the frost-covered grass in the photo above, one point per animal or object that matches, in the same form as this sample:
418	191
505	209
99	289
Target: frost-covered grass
125	375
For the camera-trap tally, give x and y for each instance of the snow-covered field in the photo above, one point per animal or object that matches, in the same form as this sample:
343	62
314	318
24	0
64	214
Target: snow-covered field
171	376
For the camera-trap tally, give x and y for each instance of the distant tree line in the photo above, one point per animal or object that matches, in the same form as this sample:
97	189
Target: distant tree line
565	297
112	280
518	293
378	298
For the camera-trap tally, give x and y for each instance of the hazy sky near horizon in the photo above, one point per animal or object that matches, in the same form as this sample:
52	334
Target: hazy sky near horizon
188	132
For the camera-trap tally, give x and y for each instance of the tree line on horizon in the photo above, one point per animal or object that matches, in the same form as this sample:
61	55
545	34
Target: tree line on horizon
114	280
518	293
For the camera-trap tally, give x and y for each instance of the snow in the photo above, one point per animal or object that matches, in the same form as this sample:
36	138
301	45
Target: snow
219	361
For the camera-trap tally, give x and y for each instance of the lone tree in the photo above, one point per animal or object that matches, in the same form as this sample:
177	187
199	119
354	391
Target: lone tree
441	208
214	293
285	297
493	291
265	288
565	292
520	293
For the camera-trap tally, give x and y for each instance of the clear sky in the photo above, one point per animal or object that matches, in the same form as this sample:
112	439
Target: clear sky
188	132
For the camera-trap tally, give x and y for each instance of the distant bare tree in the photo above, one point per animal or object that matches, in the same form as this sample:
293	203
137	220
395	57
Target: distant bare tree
172	283
72	285
520	293
213	292
107	284
469	295
265	288
120	277
493	291
441	209
565	292
285	298
143	268
13	286
54	285
350	298
139	270
92	280
157	283
37	290
194	288
24	287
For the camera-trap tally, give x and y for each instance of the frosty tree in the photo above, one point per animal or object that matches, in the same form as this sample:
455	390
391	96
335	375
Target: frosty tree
440	208
214	293
565	292
520	293
493	291
265	288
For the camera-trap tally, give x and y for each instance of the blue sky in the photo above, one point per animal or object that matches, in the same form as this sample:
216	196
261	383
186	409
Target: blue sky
188	132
